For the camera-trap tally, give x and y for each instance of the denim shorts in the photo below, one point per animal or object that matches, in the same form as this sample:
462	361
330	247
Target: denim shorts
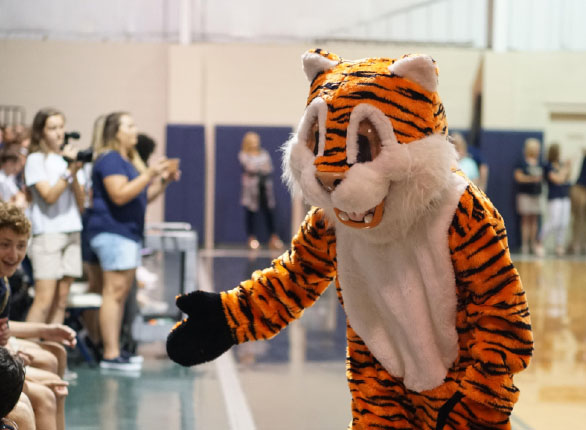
116	252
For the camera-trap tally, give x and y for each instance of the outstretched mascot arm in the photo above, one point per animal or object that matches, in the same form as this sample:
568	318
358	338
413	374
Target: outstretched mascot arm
493	311
260	307
204	335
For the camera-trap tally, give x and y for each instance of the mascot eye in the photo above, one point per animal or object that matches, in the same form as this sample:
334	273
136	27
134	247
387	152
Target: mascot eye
313	138
369	144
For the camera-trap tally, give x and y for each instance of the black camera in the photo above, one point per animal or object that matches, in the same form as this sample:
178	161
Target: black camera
70	135
84	156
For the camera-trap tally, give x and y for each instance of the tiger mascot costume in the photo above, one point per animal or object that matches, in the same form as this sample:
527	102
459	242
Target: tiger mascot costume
437	319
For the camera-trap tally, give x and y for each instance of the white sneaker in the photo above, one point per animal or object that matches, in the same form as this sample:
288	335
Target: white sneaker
539	251
150	306
146	278
133	358
120	363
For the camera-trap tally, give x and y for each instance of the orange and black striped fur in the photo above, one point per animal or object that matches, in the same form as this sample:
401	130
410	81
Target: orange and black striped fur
438	321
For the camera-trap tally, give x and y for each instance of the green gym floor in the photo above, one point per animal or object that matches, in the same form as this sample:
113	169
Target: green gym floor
297	380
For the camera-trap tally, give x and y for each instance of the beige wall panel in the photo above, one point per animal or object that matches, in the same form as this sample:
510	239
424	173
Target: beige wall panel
263	85
520	88
186	90
254	84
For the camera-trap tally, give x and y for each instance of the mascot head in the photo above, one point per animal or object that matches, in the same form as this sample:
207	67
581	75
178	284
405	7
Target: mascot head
371	148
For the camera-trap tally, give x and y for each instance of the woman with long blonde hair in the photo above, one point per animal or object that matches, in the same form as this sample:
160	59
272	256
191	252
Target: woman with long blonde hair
529	177
122	186
257	189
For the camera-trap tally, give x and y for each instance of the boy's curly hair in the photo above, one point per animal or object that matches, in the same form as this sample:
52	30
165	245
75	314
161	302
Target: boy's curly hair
14	218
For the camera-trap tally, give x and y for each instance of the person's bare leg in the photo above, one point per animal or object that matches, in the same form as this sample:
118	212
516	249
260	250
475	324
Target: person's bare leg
41	358
44	295
59	304
117	285
23	414
581	219
525	233
59	352
91	318
57	386
533	229
60	412
44	405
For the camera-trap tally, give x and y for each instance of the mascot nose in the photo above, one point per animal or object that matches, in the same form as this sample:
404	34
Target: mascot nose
329	180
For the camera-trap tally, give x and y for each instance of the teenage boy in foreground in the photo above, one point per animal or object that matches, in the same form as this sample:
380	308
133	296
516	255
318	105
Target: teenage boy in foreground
45	389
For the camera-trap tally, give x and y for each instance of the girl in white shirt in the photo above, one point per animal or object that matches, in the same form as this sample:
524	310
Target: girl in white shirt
57	199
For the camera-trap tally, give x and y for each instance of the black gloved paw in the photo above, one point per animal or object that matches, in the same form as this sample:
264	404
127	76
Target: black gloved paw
202	337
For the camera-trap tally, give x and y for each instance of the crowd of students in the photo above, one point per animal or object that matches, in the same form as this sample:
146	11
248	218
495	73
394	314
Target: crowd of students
50	196
566	201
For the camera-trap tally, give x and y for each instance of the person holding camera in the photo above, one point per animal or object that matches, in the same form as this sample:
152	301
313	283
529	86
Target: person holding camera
51	175
122	186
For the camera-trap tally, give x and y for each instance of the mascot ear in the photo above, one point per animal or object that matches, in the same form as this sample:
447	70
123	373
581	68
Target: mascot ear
316	61
420	69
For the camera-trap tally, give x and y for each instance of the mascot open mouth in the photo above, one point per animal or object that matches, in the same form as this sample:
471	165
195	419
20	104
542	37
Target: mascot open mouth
368	219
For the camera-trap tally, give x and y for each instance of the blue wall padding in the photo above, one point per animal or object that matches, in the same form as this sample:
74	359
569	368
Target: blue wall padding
229	225
185	200
502	150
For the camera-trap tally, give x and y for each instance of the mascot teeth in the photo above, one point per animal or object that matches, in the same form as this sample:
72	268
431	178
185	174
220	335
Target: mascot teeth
366	219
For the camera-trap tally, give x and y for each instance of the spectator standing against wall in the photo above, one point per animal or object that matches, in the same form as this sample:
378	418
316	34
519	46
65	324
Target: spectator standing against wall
557	177
122	186
257	189
578	199
57	199
529	177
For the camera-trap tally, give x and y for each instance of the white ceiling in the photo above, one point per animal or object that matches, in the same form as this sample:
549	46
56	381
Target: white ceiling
531	25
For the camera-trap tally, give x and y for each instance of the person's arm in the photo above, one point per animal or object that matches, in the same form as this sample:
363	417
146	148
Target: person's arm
267	166
78	192
522	178
19	200
5	331
483	176
121	190
158	187
561	176
54	332
50	194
